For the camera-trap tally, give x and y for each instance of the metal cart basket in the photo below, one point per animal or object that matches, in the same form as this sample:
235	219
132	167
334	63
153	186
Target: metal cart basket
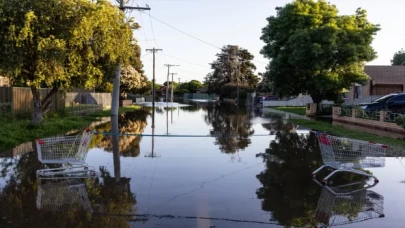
64	149
340	209
349	155
63	196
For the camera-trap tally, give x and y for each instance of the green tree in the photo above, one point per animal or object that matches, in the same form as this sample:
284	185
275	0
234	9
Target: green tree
192	86
399	58
233	65
264	86
315	51
146	88
231	126
60	44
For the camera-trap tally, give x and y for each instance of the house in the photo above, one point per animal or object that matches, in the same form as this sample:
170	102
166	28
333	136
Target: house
4	81
382	80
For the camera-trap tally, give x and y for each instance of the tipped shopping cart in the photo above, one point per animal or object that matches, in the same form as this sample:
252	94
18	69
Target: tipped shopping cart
63	196
349	155
337	208
70	151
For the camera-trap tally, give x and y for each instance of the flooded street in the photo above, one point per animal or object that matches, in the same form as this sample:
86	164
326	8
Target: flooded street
252	171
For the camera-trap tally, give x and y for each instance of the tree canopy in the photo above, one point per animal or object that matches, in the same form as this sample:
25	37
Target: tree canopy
399	58
314	50
62	43
233	65
191	86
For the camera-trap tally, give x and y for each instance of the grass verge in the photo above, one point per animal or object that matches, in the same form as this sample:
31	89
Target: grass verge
344	132
17	130
301	110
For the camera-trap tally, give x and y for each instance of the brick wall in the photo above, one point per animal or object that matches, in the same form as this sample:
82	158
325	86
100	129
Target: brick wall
376	127
386	89
366	89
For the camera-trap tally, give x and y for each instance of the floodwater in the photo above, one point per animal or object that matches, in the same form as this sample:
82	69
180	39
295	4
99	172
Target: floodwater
253	171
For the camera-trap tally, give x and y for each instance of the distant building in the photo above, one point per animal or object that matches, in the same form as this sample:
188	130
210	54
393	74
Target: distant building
382	80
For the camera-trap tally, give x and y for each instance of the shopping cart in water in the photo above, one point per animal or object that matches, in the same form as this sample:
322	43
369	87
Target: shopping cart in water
63	195
70	151
338	207
349	155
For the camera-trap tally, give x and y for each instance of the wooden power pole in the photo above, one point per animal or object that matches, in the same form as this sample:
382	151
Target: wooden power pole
171	97
116	83
153	50
167	82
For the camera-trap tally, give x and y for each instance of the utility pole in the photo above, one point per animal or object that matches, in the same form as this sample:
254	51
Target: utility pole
179	81
116	83
171	97
153	50
167	82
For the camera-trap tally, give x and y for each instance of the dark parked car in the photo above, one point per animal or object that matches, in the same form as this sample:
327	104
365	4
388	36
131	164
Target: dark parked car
393	101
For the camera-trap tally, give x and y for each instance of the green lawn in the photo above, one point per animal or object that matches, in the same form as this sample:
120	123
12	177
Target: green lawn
301	110
344	132
17	130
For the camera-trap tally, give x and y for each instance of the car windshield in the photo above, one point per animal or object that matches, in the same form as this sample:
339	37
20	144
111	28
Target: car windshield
384	98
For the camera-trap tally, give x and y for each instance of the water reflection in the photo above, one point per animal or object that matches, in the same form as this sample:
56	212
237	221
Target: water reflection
26	201
229	121
129	122
288	191
335	207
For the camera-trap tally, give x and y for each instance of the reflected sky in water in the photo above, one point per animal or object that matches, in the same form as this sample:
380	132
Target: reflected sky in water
221	181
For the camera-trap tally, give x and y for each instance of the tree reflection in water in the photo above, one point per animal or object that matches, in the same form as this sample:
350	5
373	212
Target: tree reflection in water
229	121
19	195
288	191
130	122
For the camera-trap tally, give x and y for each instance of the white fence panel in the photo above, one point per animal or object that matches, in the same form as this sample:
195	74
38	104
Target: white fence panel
362	100
298	101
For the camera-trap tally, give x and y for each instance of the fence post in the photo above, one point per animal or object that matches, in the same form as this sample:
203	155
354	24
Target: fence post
383	114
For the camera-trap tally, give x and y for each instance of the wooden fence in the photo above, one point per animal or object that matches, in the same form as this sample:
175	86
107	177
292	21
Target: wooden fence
20	101
5	94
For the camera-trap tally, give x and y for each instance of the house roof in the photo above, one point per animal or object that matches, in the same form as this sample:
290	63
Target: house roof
386	75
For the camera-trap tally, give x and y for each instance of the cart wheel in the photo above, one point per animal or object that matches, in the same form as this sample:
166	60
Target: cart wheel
376	181
325	182
314	176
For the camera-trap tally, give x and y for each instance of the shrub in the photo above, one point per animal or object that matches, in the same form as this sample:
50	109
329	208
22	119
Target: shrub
400	121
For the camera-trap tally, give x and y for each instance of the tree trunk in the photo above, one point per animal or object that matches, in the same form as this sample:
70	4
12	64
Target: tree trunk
37	115
317	99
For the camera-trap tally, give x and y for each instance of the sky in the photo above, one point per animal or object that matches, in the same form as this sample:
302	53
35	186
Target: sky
237	22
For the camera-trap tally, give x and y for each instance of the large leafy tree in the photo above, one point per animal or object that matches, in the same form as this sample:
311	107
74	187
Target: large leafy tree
399	58
314	50
61	43
233	65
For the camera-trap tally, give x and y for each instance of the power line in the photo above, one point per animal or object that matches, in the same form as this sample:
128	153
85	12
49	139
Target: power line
183	31
194	37
197	64
143	28
153	33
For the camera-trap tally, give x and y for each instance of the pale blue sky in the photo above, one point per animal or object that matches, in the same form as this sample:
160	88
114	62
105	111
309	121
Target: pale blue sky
238	22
